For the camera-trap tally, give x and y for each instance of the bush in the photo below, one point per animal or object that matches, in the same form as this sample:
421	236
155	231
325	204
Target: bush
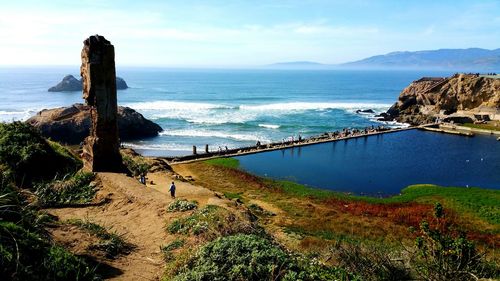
251	257
75	190
211	222
136	166
182	205
372	262
29	157
445	254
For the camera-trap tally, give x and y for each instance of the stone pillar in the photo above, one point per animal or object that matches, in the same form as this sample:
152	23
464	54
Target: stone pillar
101	149
206	148
194	149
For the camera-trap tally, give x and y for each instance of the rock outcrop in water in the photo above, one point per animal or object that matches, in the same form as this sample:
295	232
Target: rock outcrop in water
101	148
462	97
71	124
71	84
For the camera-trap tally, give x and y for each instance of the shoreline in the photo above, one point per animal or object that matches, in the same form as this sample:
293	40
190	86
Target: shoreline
326	137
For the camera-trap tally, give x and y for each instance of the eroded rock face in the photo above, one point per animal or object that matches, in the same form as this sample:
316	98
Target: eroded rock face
71	125
427	98
101	149
71	84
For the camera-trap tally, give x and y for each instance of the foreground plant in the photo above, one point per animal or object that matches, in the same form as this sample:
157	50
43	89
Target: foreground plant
446	254
77	189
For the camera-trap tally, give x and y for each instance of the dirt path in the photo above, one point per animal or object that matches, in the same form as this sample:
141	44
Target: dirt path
139	213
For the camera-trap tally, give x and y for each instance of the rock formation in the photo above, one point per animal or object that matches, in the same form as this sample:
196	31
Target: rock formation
71	84
71	124
458	97
101	148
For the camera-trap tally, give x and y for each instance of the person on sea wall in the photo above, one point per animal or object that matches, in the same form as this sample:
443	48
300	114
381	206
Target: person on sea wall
172	190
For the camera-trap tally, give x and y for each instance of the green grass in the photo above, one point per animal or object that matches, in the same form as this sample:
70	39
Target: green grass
482	203
111	243
482	126
231	195
224	162
77	189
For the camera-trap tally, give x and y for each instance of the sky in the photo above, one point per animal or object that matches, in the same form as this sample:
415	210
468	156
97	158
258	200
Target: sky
235	33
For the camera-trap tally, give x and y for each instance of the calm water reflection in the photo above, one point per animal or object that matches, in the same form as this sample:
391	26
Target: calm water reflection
384	164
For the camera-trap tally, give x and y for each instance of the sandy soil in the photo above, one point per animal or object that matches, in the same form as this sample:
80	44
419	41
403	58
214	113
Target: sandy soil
139	213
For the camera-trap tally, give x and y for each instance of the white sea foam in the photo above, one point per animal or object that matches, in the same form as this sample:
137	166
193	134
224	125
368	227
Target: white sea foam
269	126
303	106
9	116
210	113
162	146
214	134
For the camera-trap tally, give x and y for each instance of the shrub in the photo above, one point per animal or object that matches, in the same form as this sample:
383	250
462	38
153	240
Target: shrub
75	190
445	254
29	157
182	205
135	165
211	222
251	257
372	262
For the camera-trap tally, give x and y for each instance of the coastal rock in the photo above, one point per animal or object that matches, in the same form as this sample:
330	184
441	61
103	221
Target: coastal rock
365	111
462	95
72	124
71	84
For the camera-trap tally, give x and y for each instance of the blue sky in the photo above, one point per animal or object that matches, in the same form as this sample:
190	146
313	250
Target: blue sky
240	33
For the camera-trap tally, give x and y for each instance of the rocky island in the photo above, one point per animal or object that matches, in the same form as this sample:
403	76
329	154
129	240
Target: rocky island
71	84
462	98
72	124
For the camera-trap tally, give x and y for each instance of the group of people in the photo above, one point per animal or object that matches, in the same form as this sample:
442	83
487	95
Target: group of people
172	189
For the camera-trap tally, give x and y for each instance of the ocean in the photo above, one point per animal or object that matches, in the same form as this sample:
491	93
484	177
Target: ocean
219	107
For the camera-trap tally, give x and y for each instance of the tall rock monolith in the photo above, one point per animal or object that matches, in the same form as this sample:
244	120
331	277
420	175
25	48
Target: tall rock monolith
101	148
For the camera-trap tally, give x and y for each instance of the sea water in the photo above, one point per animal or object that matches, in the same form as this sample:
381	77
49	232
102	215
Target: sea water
382	165
222	108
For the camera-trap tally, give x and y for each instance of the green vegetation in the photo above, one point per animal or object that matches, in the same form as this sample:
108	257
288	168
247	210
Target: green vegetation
251	257
136	165
232	195
224	162
167	249
491	127
182	205
29	157
112	244
26	252
75	190
445	254
479	202
210	222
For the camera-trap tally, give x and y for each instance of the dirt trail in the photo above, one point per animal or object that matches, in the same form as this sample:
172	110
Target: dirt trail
139	213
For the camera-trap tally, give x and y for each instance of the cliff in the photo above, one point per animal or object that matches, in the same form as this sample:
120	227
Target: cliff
72	124
465	96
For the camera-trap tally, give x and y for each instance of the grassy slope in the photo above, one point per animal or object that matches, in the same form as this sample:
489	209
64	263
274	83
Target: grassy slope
491	127
481	203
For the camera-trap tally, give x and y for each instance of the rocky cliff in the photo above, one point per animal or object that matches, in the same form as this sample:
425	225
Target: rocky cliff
71	84
72	124
459	96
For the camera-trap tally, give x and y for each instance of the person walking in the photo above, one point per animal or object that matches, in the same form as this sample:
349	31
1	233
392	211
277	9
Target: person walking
172	190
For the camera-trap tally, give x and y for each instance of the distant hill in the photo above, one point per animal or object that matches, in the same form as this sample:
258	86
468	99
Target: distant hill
474	59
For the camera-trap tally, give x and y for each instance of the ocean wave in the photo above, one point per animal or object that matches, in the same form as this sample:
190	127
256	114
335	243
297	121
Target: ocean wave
269	126
162	146
216	114
214	134
10	116
176	105
303	106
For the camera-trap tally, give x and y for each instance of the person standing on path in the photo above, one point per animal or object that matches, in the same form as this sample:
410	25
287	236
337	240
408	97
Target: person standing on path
172	190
